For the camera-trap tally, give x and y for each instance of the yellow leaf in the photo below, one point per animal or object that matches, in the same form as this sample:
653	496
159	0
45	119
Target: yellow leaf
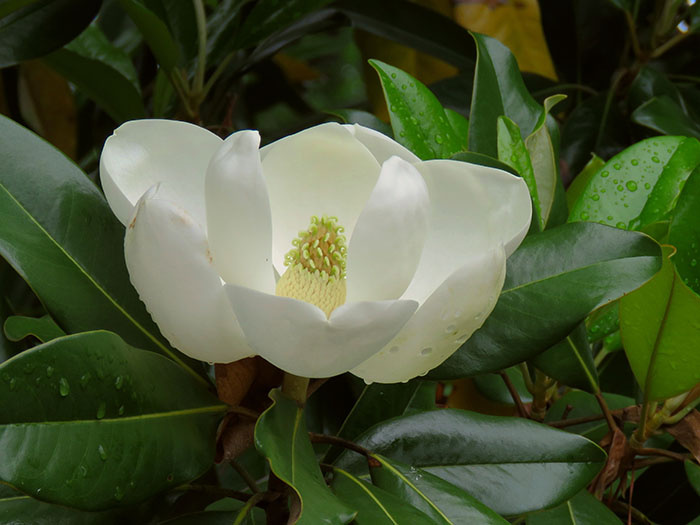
516	24
46	103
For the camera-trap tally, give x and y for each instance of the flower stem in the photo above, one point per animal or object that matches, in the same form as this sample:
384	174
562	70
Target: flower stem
198	84
295	387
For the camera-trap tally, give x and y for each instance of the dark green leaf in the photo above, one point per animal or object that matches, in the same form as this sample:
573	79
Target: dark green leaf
442	501
222	27
417	118
43	328
640	185
103	72
660	329
603	322
684	232
155	32
498	90
255	516
571	361
460	125
664	115
582	509
650	83
488	456
412	25
553	281
181	20
375	506
19	509
281	436
33	29
90	422
575	189
692	470
363	118
59	234
376	403
494	388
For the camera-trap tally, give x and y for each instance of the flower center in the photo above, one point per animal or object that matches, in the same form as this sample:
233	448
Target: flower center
316	266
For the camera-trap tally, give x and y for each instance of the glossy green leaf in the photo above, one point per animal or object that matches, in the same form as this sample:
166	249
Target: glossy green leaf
222	26
43	328
684	232
180	18
650	83
603	322
660	327
376	403
640	185
582	509
692	470
442	501
460	125
58	232
575	404
417	117
90	422
32	29
553	281
571	361
488	456
364	118
412	25
512	151
484	160
281	436
155	32
375	506
664	115
498	90
103	72
575	189
545	164
19	509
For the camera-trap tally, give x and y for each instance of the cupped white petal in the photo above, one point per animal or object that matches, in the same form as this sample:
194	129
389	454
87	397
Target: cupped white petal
381	146
454	311
388	238
239	224
320	171
296	336
473	209
169	265
142	153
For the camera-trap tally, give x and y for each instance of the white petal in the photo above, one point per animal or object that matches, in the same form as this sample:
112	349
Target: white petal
296	336
473	209
239	227
170	267
442	324
388	239
320	171
381	146
142	153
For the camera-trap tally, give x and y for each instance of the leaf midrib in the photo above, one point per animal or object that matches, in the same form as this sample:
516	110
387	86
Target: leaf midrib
97	286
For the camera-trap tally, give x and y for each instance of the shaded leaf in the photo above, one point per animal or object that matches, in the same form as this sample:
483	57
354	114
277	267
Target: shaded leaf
684	232
664	115
155	32
364	118
43	328
582	509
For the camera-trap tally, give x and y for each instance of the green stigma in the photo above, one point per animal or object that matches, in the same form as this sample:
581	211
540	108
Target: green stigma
321	250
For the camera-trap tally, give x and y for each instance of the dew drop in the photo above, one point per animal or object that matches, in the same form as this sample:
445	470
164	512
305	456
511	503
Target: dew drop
584	216
450	328
101	410
394	349
426	351
102	452
49	371
438	139
620	187
457	314
118	382
634	162
617	166
693	262
28	368
83	471
604	173
121	410
402	133
63	387
84	380
394	108
118	494
404	86
647	186
631	185
655	159
461	339
13	384
595	197
621	225
610	217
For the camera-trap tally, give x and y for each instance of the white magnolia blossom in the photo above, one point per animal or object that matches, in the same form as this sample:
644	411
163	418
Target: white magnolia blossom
214	248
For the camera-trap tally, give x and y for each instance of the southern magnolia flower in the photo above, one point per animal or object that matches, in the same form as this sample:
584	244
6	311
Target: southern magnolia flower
331	250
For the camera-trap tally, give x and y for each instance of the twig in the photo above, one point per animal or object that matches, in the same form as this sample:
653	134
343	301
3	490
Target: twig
243	411
606	411
252	502
334	440
661	452
243	473
514	394
650	462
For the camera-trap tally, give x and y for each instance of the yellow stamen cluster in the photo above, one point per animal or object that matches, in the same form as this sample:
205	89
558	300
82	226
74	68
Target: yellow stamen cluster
316	266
